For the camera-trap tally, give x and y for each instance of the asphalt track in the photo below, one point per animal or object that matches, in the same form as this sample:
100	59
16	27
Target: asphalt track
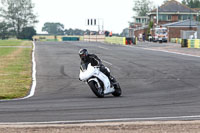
156	86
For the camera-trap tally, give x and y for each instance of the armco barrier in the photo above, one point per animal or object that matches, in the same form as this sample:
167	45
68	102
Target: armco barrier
173	40
176	40
121	40
94	38
116	40
55	38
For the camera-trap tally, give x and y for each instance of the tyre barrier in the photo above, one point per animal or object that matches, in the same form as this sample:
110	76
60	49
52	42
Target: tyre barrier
184	43
188	43
193	43
131	40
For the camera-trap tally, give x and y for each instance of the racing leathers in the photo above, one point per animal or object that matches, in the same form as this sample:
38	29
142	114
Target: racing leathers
95	61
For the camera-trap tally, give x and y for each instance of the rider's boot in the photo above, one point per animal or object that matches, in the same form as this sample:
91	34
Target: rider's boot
112	79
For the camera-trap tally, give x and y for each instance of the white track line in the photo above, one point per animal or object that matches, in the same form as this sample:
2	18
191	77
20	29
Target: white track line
106	120
32	91
107	62
172	52
165	51
103	47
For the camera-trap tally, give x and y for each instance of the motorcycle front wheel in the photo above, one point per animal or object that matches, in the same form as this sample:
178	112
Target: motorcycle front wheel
99	92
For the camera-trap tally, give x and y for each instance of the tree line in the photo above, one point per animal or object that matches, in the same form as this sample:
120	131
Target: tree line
59	29
18	19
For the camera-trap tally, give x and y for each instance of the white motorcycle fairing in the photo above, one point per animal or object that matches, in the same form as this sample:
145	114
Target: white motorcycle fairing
95	72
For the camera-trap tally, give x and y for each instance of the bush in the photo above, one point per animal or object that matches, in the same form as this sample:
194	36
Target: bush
27	33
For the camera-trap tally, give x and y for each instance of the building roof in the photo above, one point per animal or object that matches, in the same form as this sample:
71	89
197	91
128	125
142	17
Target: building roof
174	6
185	23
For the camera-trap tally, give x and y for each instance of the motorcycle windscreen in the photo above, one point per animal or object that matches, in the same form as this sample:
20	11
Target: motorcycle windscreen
84	66
86	74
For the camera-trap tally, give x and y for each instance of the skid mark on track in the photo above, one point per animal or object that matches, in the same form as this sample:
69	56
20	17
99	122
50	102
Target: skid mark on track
62	71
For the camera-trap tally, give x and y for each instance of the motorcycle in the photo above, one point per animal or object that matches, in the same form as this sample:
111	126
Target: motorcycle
98	81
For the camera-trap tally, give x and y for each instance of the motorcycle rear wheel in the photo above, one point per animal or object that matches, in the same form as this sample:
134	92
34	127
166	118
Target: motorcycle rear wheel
117	91
117	88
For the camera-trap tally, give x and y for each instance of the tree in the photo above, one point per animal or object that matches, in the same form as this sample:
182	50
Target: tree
142	7
125	32
4	30
150	27
27	33
191	3
71	31
165	1
53	28
18	13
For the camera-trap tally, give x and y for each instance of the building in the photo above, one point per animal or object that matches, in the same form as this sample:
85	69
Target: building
140	24
174	29
141	20
170	12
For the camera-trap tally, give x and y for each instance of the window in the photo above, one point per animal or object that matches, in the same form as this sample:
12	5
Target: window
164	17
169	17
160	17
185	17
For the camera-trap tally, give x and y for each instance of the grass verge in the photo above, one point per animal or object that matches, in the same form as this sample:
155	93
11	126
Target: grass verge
15	69
14	43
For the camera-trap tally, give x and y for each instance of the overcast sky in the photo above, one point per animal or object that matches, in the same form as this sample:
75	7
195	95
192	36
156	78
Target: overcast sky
73	13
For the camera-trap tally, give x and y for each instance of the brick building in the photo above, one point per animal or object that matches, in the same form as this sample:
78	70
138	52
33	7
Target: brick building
169	13
174	29
173	11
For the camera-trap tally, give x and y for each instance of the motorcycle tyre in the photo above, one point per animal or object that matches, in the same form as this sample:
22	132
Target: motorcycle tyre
117	88
95	90
118	91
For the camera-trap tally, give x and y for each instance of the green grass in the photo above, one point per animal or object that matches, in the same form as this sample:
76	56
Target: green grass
6	51
14	43
15	71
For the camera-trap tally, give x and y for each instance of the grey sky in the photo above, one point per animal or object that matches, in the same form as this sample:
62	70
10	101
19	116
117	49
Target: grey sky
73	13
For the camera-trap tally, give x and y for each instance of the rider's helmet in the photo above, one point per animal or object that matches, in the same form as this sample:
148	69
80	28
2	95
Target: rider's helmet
83	53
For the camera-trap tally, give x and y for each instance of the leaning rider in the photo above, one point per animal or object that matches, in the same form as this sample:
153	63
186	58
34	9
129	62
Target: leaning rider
95	61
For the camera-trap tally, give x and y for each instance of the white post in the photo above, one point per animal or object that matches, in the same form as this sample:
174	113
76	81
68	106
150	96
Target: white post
157	16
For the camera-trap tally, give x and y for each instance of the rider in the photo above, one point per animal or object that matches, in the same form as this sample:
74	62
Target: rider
95	61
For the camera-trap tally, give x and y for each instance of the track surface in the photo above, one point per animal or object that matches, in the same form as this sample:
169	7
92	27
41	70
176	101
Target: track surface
154	84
